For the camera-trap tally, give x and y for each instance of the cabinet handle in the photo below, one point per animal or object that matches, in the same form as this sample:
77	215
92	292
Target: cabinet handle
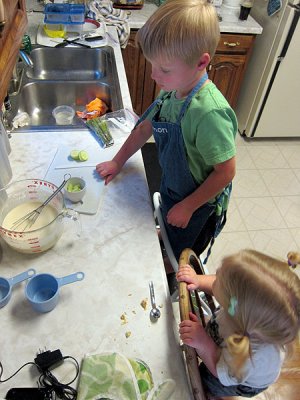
231	44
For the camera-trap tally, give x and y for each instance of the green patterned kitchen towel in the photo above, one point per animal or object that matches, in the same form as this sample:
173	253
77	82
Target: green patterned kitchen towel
273	7
112	376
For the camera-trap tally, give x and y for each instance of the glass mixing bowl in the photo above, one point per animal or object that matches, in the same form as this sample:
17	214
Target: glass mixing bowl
48	230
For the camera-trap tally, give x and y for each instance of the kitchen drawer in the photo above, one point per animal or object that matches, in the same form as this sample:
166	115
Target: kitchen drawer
235	44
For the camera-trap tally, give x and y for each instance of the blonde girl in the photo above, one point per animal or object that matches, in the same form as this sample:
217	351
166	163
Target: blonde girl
247	339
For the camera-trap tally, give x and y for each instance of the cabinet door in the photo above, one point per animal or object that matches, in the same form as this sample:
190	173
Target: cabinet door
142	88
226	71
228	66
135	71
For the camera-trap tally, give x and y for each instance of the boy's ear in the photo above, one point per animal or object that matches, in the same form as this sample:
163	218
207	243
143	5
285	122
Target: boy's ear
203	62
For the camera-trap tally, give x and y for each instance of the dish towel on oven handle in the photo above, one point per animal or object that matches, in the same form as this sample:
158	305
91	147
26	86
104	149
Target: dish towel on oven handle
273	7
102	10
113	376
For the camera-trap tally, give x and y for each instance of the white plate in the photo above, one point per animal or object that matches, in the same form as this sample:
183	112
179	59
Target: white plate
88	27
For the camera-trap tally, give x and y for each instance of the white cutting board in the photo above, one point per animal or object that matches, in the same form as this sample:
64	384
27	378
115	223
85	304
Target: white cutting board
63	164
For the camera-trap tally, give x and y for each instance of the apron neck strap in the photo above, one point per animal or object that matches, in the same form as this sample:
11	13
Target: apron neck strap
190	95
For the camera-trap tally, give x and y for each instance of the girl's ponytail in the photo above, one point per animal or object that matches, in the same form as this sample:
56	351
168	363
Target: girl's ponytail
239	348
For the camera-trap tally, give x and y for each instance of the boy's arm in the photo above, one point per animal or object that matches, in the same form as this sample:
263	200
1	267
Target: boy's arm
137	138
134	142
220	177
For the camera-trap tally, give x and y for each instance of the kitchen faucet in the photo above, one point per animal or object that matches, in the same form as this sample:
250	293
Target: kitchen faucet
26	58
18	71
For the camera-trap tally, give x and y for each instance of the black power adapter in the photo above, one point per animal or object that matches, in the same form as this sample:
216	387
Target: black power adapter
48	359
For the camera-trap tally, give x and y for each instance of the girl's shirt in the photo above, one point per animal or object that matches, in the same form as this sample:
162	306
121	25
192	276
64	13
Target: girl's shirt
261	370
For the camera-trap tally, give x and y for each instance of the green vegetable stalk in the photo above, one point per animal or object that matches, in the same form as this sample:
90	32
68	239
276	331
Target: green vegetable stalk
100	128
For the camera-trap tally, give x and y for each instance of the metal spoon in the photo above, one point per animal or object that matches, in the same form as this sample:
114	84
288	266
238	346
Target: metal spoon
154	312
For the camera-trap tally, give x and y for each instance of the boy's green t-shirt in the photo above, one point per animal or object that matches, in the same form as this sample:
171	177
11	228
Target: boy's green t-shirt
209	126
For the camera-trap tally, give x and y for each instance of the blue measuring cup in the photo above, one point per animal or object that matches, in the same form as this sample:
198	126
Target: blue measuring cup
6	285
42	291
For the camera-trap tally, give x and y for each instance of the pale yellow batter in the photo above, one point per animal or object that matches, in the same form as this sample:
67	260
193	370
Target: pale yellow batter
47	215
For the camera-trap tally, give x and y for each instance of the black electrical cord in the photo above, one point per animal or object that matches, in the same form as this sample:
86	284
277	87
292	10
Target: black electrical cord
63	390
47	380
15	373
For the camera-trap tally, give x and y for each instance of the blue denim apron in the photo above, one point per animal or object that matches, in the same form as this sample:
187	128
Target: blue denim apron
177	181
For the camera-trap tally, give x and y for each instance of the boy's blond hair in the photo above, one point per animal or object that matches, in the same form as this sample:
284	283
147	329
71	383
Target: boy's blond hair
266	307
181	29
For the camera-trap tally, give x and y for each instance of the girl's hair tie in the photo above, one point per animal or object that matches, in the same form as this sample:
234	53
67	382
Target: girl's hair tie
232	306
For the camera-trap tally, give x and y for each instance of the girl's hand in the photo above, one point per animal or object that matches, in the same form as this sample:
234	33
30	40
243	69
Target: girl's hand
108	170
179	215
187	274
191	332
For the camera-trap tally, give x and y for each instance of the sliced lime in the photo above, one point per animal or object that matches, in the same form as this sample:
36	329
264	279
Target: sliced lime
83	155
75	154
69	187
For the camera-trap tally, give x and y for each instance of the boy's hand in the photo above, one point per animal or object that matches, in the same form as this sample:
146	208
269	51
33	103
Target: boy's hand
108	170
179	215
191	332
187	274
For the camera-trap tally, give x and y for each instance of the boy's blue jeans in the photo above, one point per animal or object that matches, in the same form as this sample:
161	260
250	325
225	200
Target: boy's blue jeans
213	386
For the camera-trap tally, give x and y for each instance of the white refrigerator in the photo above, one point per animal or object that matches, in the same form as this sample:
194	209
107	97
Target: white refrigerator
269	101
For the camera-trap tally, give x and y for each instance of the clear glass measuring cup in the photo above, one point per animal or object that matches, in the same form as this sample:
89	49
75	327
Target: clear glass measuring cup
35	240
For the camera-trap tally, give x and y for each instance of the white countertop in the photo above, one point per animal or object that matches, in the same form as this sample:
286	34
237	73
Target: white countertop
118	251
229	24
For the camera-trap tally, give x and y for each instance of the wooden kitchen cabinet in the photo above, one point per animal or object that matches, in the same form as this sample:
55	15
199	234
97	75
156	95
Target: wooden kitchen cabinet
226	69
143	89
228	66
10	40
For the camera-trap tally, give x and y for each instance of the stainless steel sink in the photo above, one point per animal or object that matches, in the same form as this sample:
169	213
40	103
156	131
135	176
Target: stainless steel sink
65	76
38	99
78	64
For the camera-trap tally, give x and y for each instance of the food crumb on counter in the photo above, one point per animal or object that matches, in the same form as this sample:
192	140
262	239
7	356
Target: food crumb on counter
127	334
144	303
133	312
123	319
